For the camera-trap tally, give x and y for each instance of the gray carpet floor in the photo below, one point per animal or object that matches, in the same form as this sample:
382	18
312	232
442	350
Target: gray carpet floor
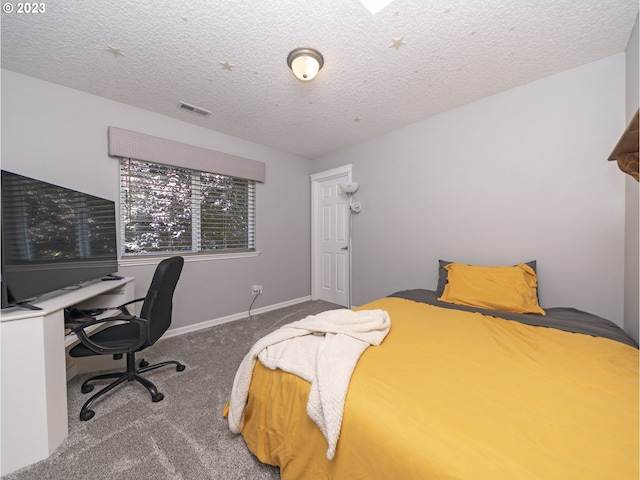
184	436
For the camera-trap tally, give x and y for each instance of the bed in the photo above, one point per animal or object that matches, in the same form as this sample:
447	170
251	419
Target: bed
460	392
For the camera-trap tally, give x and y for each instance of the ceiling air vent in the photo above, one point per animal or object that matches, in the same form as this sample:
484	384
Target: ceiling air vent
194	109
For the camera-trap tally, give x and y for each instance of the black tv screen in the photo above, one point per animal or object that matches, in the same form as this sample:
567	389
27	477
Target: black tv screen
52	238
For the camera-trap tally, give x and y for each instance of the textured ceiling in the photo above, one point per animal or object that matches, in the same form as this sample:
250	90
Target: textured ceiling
409	61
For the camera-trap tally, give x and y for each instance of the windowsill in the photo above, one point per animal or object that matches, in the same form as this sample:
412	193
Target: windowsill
153	260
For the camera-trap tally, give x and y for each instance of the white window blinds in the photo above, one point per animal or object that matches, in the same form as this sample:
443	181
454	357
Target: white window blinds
179	198
167	209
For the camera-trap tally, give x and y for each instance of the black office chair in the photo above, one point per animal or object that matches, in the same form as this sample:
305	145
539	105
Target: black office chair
133	336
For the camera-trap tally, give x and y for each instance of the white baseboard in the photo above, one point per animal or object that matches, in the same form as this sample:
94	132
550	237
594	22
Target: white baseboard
173	332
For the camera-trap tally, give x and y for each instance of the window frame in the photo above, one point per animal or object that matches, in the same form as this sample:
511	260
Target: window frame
131	259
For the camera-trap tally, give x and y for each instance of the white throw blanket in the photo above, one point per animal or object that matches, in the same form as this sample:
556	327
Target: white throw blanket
323	349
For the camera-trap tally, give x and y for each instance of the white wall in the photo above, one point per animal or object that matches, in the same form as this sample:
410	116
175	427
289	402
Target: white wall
517	176
59	135
632	199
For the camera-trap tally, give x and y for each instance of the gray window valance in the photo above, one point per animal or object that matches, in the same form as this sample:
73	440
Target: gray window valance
140	146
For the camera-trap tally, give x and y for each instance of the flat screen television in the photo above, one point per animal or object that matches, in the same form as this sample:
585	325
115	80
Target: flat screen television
53	238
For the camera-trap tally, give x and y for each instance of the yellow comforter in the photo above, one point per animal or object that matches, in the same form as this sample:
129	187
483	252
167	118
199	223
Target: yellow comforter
461	395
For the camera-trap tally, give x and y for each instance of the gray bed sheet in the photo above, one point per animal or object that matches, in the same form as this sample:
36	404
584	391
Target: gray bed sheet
561	318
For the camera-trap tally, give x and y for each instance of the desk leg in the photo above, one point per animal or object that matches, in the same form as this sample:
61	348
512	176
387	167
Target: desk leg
33	403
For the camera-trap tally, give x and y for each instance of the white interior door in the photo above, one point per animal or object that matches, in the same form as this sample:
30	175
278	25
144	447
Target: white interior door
331	255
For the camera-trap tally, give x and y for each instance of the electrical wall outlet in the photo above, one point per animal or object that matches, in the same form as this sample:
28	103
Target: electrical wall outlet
256	289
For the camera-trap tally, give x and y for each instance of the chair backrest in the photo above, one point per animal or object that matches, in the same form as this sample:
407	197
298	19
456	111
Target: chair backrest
158	303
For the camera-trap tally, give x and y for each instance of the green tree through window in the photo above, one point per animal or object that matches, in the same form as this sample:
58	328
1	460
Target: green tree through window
167	210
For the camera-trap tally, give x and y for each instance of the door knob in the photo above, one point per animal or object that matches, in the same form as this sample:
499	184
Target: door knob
345	248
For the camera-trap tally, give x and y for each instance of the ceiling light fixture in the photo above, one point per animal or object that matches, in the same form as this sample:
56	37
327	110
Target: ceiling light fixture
305	63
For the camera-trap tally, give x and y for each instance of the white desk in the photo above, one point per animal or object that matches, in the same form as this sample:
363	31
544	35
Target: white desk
33	400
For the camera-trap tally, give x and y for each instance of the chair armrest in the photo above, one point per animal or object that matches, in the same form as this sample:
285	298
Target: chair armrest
104	350
123	307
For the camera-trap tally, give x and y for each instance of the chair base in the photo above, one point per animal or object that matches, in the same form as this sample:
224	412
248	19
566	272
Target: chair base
132	373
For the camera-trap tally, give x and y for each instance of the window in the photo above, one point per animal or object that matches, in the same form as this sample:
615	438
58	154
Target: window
174	210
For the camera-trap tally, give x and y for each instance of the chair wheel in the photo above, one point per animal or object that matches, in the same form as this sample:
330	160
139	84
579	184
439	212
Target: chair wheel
158	397
143	364
86	389
87	415
180	368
